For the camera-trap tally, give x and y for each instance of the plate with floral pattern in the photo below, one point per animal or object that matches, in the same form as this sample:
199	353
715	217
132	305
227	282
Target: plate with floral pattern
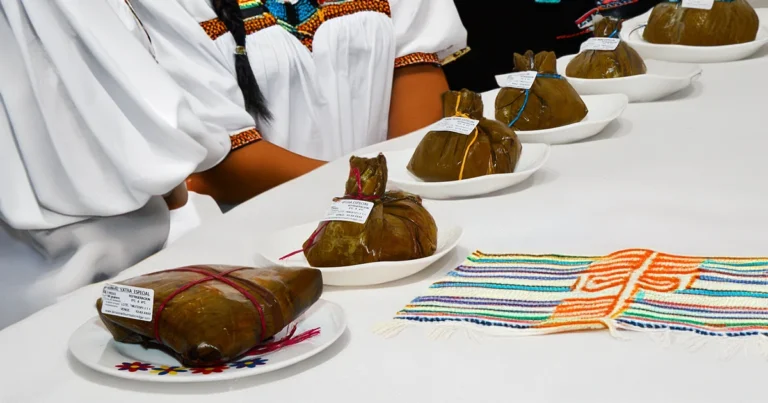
93	345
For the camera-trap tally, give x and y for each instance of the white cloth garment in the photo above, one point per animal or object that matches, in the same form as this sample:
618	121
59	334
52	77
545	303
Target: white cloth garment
332	99
92	131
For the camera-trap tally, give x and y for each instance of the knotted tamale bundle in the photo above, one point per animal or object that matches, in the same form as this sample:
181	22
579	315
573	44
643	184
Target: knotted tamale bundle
620	62
727	23
209	315
397	228
551	101
491	148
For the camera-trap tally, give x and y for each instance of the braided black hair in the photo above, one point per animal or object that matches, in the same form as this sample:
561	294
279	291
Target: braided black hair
229	13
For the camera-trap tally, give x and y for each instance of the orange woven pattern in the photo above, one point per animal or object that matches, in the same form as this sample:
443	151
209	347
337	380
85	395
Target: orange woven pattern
244	138
256	24
337	10
214	28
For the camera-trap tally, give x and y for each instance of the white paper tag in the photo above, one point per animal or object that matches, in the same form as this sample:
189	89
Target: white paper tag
455	124
600	44
349	210
521	80
127	302
700	4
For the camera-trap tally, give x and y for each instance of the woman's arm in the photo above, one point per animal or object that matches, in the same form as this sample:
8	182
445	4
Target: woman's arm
177	198
416	98
427	34
249	171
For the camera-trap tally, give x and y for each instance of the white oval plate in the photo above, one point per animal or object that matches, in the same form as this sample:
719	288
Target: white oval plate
286	241
603	109
531	160
632	33
661	80
93	345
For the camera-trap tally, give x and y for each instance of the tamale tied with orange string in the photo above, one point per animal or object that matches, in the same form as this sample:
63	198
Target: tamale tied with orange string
492	148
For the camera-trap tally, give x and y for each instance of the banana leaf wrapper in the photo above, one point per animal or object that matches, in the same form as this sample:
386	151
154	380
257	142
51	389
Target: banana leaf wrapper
439	155
624	61
398	228
552	102
212	323
727	23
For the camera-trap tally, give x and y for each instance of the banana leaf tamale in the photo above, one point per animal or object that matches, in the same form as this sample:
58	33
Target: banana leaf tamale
594	64
551	101
203	323
442	156
397	228
727	23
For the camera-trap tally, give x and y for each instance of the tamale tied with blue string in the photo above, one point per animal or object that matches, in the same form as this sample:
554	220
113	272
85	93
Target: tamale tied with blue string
551	101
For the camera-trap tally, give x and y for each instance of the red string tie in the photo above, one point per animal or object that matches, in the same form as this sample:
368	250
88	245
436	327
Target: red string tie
359	196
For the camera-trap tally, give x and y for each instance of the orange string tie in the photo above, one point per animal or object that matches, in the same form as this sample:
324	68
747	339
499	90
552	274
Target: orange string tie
475	132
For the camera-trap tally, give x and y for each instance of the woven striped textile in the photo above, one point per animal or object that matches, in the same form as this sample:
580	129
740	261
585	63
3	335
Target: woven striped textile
636	289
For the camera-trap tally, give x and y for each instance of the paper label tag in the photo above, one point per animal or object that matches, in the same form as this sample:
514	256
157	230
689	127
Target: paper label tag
600	44
455	124
522	80
349	210
127	302
700	4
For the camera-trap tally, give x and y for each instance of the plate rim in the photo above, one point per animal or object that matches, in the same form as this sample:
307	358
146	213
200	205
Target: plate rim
110	371
530	171
697	70
758	42
342	269
596	122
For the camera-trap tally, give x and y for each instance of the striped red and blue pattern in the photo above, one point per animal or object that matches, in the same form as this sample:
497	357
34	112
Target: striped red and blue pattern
633	289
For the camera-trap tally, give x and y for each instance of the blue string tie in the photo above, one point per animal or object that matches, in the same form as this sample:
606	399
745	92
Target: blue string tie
528	93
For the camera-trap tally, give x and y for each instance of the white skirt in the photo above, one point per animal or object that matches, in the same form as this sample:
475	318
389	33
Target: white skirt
39	268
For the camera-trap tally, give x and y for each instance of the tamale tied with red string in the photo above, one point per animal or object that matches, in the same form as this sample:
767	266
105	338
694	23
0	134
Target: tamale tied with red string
491	148
210	315
397	228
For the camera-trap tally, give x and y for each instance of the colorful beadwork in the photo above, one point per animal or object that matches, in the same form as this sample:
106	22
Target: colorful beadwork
214	28
304	18
417	58
301	19
255	24
633	289
244	138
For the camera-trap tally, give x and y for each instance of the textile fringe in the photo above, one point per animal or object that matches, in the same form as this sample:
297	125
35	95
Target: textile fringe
390	329
446	330
729	347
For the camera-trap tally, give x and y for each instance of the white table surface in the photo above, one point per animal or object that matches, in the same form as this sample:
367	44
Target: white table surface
687	175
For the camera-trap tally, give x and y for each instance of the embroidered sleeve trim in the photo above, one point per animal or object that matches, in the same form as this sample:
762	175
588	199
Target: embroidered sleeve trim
416	58
244	138
255	24
214	28
455	55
